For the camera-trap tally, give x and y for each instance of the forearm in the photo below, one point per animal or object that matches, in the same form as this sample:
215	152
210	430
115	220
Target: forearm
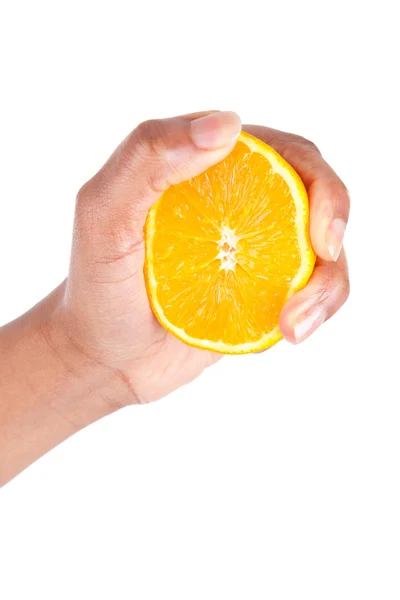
49	389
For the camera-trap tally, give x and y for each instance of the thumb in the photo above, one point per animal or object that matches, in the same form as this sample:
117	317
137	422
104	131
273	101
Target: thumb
112	206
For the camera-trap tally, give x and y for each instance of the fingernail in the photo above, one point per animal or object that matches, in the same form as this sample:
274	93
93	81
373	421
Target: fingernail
334	237
215	130
308	322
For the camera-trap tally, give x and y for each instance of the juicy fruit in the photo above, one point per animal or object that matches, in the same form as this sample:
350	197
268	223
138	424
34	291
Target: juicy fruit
226	249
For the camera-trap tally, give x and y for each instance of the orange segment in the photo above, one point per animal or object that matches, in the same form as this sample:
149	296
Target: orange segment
226	249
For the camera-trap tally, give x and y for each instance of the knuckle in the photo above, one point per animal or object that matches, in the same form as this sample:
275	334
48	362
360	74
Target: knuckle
83	209
83	194
150	136
153	141
304	143
334	288
342	189
344	192
310	145
336	188
337	195
326	288
89	203
146	149
345	289
303	151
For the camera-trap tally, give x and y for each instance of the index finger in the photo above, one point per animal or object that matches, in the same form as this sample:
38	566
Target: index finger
328	196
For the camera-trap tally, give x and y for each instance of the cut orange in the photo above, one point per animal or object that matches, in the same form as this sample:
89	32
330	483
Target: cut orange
226	249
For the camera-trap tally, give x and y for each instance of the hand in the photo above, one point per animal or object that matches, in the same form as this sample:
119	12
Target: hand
93	345
103	304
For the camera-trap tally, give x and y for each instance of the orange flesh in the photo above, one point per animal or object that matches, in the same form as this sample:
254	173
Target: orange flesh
226	250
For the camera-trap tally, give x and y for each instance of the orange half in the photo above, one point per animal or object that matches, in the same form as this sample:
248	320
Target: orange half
226	249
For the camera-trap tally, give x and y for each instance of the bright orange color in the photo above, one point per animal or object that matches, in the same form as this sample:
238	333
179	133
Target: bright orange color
226	249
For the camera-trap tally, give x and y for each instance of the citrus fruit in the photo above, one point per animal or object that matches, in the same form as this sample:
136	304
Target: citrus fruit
226	249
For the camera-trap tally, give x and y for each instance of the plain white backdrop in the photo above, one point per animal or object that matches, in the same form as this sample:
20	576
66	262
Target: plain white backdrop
274	476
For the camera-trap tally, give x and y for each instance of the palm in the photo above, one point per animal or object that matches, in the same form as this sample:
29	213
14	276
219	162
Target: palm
170	364
126	336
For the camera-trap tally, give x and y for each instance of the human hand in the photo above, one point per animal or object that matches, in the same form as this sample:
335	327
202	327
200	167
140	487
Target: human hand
94	345
103	307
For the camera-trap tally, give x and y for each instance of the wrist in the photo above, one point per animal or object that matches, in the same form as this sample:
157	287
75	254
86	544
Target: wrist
41	364
90	388
50	388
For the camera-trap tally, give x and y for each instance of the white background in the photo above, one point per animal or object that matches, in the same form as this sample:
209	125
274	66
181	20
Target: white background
274	476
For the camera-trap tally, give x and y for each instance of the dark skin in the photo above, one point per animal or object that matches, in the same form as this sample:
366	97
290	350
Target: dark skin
93	345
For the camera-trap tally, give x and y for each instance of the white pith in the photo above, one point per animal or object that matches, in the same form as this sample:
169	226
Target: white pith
227	248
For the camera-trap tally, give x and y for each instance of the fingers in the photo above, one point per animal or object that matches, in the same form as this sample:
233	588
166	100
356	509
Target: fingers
328	196
156	155
324	294
328	287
